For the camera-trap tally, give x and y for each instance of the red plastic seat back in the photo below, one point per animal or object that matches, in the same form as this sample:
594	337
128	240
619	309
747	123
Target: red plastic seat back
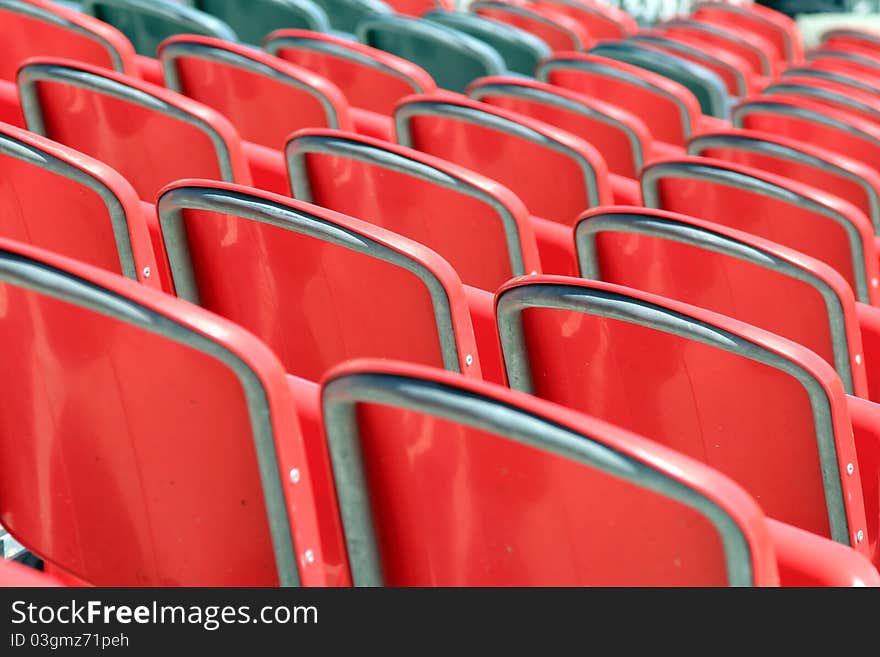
265	98
318	287
776	27
834	94
729	272
600	20
13	574
138	430
533	474
529	157
667	108
811	123
757	51
33	28
58	199
836	174
474	223
723	392
854	40
371	79
620	137
769	206
853	64
419	7
555	28
152	136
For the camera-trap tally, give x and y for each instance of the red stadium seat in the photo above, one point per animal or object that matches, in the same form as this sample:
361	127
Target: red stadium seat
811	123
600	20
474	223
729	272
419	7
621	138
372	80
318	287
138	429
58	199
152	136
853	40
734	396
670	111
554	27
534	471
835	94
556	174
37	28
770	206
731	68
820	168
758	52
264	97
852	64
776	27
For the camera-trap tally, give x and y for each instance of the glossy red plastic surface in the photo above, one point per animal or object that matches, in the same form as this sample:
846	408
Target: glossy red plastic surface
510	505
263	108
679	392
759	53
805	559
731	286
419	7
532	170
92	42
466	231
558	30
788	223
371	79
730	67
148	147
852	136
317	304
838	93
613	142
862	69
125	467
775	27
828	180
852	40
600	20
668	109
41	207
